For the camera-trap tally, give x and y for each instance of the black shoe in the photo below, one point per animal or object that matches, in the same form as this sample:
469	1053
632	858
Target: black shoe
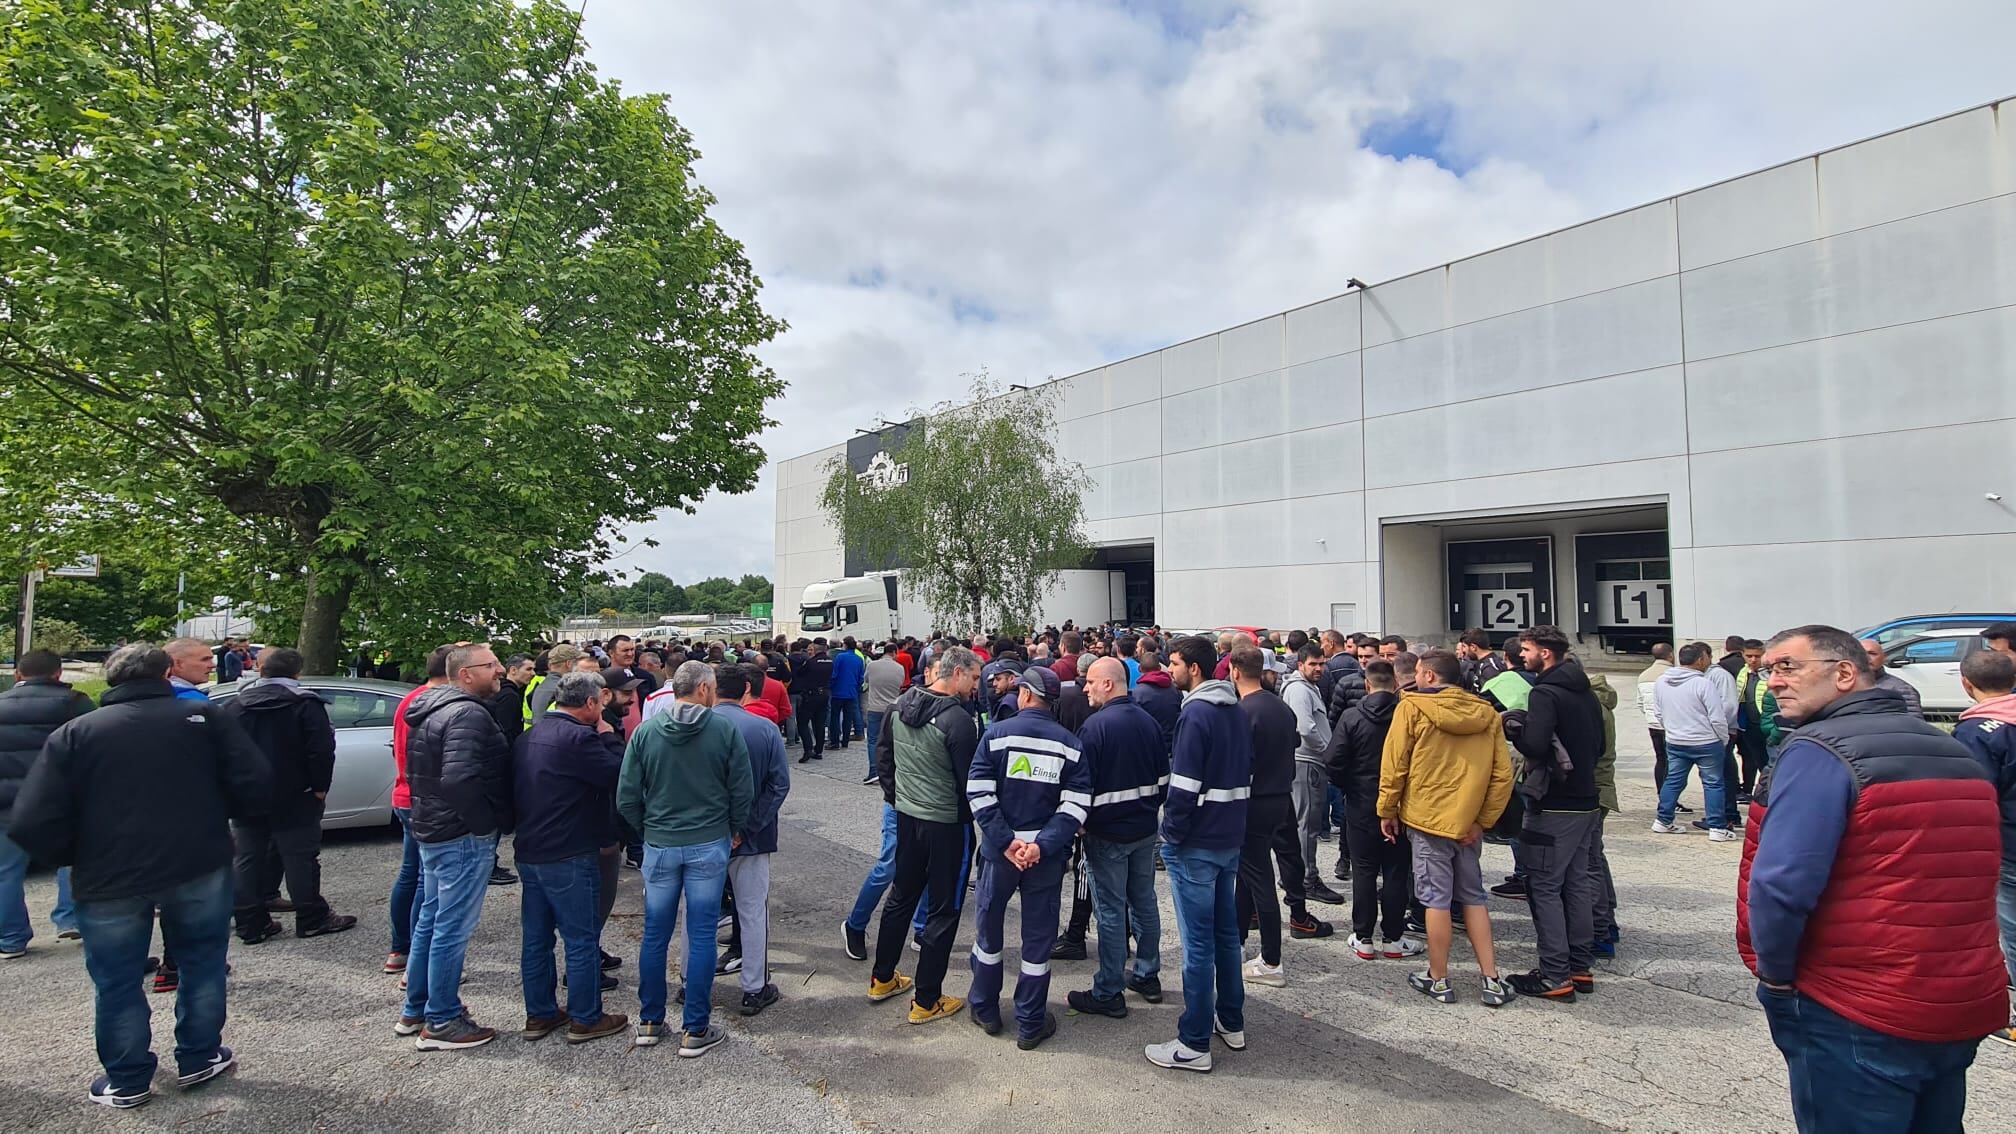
805	759
871	779
730	962
1049	1028
1683	807
1316	891
502	877
1087	1004
1068	949
1304	926
754	1002
1417	924
991	1027
279	905
1515	890
1539	988
262	934
610	961
1343	871
609	983
334	923
855	941
1149	988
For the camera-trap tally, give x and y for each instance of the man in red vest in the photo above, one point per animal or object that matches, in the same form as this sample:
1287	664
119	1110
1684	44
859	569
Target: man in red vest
1866	901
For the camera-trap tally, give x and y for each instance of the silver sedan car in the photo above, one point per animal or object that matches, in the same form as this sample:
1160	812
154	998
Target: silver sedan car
360	793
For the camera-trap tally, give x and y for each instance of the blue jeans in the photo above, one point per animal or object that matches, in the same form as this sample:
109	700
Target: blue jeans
561	897
456	876
1681	758
15	928
843	720
1123	887
1848	1079
196	926
874	733
884	871
699	873
1207	922
404	907
64	913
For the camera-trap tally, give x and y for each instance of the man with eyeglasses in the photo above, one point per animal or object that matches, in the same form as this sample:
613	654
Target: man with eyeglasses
1866	898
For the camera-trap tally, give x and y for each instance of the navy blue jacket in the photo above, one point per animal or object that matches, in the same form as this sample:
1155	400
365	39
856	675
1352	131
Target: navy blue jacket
1006	706
848	670
563	774
1210	771
1160	700
1992	740
772	777
1029	781
1130	771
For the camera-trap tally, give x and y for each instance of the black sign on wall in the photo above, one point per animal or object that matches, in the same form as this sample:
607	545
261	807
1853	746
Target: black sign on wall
872	455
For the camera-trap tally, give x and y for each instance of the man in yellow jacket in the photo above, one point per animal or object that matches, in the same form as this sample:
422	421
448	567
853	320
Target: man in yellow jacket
1445	775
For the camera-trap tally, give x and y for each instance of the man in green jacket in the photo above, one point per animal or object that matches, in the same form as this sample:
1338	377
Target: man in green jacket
687	786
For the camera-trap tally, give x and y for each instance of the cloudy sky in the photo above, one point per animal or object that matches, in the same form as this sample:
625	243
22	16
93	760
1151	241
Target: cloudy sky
928	187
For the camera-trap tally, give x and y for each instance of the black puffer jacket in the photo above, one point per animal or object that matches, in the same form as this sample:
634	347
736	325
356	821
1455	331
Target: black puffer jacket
458	766
29	712
1562	705
291	726
135	797
1346	690
1355	747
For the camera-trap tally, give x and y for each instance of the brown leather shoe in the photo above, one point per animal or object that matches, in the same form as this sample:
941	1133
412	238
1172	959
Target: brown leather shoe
610	1024
539	1027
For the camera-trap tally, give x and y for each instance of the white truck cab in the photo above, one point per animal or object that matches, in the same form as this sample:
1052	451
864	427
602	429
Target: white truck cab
868	608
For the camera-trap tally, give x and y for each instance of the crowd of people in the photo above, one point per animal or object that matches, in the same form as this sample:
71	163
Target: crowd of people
1095	760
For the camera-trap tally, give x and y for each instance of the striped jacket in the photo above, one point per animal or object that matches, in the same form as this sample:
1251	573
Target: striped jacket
1028	781
1210	771
1130	771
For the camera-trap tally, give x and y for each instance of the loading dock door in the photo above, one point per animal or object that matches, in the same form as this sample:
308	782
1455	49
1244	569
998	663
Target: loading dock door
1625	585
1500	585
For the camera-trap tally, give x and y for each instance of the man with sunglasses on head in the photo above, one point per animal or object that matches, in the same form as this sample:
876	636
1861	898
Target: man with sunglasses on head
1865	904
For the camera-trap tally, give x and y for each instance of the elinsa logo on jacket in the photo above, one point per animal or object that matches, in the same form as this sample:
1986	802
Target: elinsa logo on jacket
1041	769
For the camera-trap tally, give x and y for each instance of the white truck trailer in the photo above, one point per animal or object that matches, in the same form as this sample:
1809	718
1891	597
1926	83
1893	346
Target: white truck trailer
878	606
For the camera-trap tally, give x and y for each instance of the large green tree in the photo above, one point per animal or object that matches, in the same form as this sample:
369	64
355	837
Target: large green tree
386	309
986	516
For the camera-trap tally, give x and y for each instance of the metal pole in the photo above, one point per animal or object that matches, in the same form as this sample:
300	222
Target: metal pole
24	631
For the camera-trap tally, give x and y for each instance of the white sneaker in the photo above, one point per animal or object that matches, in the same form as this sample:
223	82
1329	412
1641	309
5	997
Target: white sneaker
1260	972
1174	1054
1659	828
1405	947
1234	1040
1364	948
1722	835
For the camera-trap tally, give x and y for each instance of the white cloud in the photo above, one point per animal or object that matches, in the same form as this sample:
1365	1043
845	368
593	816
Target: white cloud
1038	186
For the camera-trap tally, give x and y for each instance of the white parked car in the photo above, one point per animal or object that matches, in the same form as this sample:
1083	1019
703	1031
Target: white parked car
360	793
1930	661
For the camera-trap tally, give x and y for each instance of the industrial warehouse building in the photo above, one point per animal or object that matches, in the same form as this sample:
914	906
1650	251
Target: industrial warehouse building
1787	397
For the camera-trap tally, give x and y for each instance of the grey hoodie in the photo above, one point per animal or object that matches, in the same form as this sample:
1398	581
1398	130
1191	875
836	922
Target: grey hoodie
1312	722
1691	708
1214	693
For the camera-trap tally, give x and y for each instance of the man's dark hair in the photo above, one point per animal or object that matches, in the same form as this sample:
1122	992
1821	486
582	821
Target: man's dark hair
1074	643
1446	666
1693	652
1296	640
2001	632
516	660
1196	651
1733	643
1404	663
1476	637
1990	671
283	661
40	663
731	681
1309	651
1753	643
756	677
1150	660
848	641
1547	638
1247	662
1831	643
1336	639
1393	640
1129	646
437	663
1379	675
618	640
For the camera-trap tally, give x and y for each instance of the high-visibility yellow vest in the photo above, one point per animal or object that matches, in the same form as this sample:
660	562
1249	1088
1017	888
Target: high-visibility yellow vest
526	709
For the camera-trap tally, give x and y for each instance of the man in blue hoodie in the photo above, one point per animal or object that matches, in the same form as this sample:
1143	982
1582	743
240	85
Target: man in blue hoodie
1030	790
749	862
1203	828
843	715
1122	746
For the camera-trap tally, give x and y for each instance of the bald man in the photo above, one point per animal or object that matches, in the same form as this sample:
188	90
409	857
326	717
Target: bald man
1123	747
1887	680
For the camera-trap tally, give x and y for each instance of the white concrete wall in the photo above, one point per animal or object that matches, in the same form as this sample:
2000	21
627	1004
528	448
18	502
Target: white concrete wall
1813	367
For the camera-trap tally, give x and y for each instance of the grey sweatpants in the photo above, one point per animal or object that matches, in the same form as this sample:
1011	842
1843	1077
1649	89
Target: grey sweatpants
750	875
1561	889
1312	812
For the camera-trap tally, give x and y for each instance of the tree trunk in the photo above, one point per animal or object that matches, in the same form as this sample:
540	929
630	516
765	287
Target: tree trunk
322	621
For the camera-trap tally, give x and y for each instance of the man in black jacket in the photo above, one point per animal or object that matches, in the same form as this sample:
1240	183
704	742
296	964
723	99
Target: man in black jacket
459	770
1560	827
810	685
137	799
1338	659
508	706
291	727
1381	877
38	705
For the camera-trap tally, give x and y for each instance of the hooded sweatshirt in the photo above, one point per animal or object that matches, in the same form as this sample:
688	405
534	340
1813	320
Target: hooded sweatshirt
291	726
686	778
1988	729
1210	771
1157	696
1312	719
1564	708
923	755
1445	765
1357	747
1691	708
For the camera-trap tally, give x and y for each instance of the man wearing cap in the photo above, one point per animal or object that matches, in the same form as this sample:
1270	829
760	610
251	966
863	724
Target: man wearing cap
1003	699
1030	792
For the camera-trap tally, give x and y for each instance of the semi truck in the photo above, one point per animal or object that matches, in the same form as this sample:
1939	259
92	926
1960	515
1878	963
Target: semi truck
878	606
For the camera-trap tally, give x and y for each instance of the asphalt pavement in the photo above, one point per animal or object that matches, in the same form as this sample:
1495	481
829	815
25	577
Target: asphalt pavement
1672	1041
